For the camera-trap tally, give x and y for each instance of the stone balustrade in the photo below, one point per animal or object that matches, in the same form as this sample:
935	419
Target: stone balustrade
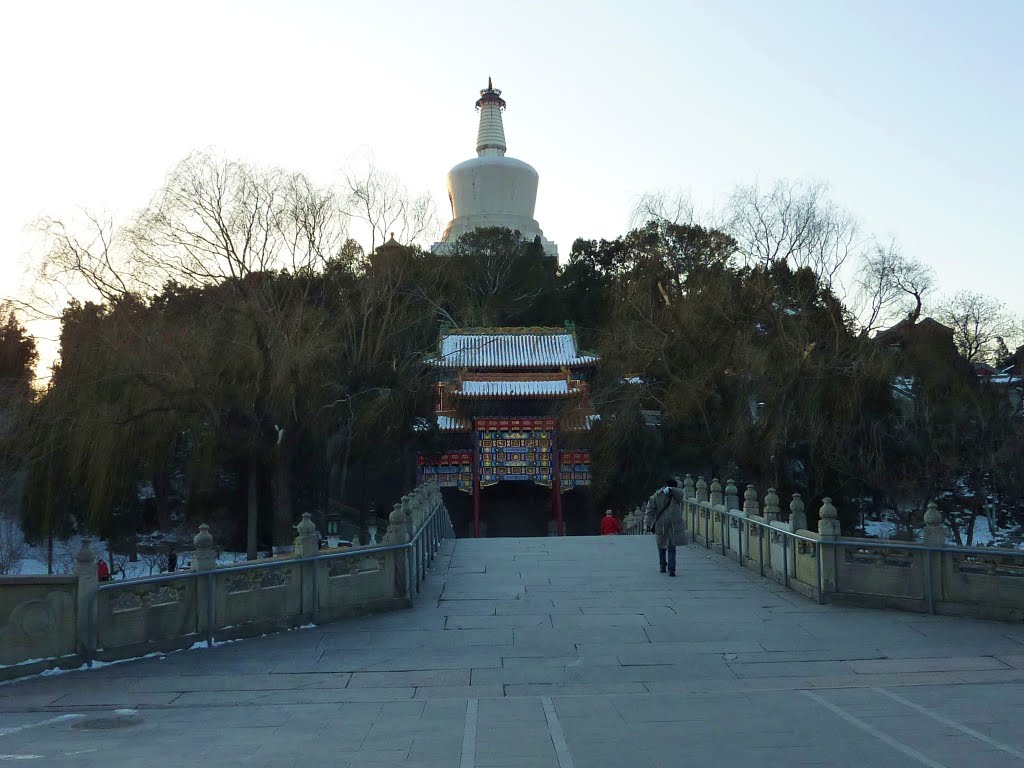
65	621
925	576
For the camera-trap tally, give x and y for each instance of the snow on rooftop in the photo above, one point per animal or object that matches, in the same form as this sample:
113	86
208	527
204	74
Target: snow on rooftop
510	350
544	388
447	423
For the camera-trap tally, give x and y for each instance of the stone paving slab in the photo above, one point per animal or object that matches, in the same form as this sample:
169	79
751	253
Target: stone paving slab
555	652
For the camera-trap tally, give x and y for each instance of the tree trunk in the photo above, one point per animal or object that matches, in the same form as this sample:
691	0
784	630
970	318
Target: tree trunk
282	496
252	509
408	474
970	528
344	470
162	491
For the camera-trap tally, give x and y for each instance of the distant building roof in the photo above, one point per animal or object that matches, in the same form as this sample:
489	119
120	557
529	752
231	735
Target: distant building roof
902	332
515	387
448	423
510	349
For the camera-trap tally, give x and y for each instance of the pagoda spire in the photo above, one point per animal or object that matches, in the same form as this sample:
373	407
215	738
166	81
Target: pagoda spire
490	137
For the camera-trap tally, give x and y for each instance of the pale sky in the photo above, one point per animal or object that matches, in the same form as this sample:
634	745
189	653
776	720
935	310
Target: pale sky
911	111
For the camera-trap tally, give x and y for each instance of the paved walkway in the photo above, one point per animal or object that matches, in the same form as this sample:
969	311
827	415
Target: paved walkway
552	653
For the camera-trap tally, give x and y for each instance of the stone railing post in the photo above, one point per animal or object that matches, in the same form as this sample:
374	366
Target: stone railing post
688	492
732	496
934	531
797	516
85	570
828	520
717	498
754	538
204	558
702	489
307	544
772	511
750	505
398	533
828	530
408	510
934	536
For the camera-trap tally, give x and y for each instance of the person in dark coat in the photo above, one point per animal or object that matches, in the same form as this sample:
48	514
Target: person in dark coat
172	561
664	518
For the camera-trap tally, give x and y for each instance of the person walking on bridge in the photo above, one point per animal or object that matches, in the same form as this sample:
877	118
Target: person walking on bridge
610	524
664	518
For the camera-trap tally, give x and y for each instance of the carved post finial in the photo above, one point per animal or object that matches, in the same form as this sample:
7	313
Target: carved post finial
398	531
772	511
688	492
828	519
306	526
307	543
934	530
717	498
797	516
750	505
203	556
732	496
85	556
702	489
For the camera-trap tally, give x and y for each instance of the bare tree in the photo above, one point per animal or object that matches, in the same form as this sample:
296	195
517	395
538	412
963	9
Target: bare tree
662	207
978	323
155	562
83	255
216	219
891	285
230	227
794	222
380	200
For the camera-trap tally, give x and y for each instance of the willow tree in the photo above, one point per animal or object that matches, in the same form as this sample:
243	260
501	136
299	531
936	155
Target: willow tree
217	271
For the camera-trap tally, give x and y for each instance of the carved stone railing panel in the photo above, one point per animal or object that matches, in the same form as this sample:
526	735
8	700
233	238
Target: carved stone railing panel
37	618
886	558
989	565
147	597
354	566
263	595
248	581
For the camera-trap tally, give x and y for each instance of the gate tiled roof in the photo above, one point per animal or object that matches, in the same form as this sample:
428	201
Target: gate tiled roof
510	349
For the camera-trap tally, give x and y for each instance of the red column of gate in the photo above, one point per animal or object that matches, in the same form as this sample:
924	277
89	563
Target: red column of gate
476	482
556	482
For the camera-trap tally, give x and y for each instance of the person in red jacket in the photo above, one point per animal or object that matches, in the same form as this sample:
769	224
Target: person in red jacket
102	571
610	524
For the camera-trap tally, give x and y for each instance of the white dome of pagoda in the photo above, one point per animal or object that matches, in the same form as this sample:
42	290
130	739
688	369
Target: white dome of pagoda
492	190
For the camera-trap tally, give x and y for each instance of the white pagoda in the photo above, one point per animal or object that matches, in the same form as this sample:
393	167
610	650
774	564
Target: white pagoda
491	189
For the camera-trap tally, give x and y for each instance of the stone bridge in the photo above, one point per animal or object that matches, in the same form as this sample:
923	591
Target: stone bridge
554	653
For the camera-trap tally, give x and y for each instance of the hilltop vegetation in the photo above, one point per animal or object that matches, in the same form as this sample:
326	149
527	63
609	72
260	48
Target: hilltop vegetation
236	357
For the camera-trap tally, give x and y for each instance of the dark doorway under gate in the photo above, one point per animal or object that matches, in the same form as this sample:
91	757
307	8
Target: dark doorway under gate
515	509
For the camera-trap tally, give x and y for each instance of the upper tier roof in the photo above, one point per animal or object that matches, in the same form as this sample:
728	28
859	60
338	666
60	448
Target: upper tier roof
510	349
